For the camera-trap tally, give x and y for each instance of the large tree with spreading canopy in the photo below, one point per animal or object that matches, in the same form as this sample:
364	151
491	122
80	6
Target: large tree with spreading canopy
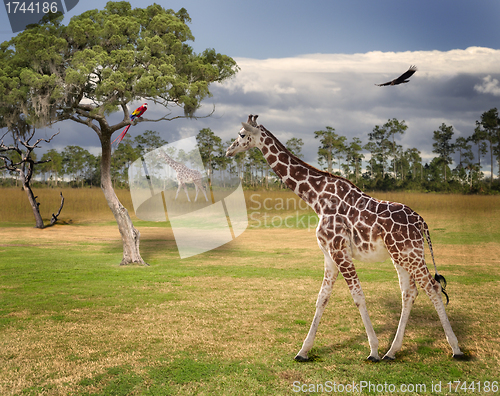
98	64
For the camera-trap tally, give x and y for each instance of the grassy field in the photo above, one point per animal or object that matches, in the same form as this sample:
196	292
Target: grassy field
230	321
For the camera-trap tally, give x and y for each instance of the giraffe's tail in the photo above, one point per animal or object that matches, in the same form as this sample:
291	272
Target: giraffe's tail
439	278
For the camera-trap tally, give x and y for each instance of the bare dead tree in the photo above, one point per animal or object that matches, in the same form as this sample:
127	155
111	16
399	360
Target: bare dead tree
24	165
53	220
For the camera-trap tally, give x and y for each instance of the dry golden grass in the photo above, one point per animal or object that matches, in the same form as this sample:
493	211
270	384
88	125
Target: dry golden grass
80	204
89	205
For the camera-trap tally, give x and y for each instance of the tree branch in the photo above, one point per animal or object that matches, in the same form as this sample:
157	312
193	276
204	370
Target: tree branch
166	118
87	122
25	143
55	216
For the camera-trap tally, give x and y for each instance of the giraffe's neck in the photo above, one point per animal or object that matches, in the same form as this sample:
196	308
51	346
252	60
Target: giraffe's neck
295	173
174	164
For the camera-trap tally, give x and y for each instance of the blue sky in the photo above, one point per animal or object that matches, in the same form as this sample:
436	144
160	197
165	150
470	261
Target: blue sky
306	66
267	29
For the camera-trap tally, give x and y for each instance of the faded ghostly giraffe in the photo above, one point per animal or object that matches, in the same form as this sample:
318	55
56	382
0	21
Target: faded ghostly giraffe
354	225
185	175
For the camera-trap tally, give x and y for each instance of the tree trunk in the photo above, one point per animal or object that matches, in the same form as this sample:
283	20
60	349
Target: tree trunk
491	162
31	197
35	206
130	236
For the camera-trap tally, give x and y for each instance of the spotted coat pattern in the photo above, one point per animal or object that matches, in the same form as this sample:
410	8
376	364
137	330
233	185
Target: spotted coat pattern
185	176
353	225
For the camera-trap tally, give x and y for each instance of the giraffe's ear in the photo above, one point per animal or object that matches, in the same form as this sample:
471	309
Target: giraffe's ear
250	128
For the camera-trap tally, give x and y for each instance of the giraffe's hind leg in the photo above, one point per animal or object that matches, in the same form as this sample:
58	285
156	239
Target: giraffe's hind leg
203	189
331	273
408	293
433	291
200	187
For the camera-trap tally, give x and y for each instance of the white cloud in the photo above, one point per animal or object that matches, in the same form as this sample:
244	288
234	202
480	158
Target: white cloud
470	60
490	85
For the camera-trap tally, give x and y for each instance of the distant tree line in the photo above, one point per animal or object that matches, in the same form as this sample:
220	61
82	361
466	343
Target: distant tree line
387	165
390	167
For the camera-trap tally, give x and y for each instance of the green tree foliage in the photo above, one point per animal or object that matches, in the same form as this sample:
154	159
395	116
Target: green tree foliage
53	165
128	151
331	146
489	130
209	145
415	161
478	138
354	157
294	145
443	146
110	57
393	127
75	161
465	160
380	148
148	141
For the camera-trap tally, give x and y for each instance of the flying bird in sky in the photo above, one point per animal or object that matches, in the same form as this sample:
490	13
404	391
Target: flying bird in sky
135	114
402	78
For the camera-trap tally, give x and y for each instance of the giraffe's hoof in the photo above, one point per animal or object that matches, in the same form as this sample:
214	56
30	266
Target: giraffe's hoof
388	358
460	356
299	358
373	359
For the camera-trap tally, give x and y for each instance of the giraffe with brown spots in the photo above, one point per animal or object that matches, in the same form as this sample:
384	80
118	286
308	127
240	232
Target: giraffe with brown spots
353	225
185	175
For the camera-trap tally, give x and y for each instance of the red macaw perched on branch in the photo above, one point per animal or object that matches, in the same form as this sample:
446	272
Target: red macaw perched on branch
136	113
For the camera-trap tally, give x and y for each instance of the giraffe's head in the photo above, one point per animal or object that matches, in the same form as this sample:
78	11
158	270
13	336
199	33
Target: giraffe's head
248	137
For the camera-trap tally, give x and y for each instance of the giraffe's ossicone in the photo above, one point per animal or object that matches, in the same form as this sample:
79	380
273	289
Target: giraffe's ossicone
354	225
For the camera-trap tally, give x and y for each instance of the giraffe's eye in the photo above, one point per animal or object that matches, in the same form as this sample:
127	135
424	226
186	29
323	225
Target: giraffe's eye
242	135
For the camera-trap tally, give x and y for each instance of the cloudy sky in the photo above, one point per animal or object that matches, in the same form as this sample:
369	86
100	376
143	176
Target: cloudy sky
307	66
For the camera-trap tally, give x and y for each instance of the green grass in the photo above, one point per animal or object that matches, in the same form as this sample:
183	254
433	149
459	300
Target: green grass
229	321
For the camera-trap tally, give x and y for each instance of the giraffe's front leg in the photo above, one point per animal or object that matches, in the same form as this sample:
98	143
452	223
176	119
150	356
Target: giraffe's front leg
359	299
186	191
331	273
178	189
346	267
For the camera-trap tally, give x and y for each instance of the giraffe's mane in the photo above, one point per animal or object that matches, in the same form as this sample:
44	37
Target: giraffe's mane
305	164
